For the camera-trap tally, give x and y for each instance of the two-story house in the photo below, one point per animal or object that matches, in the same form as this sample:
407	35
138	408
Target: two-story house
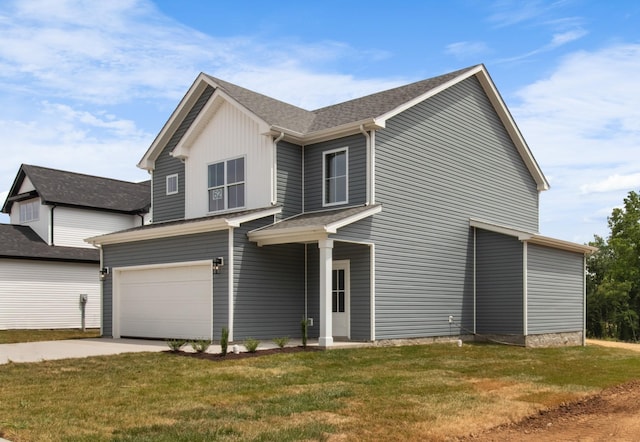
45	264
409	213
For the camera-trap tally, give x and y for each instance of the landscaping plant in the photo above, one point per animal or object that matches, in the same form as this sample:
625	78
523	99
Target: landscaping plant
304	324
281	342
251	345
224	341
176	344
200	345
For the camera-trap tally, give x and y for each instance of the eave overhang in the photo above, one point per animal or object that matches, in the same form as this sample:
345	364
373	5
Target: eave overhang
533	238
281	233
180	228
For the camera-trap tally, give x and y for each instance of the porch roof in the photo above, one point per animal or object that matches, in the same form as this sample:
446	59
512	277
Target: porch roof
312	226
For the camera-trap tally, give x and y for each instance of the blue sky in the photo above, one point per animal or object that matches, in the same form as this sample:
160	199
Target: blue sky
86	85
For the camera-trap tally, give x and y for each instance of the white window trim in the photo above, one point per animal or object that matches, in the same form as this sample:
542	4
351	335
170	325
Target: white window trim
226	185
324	176
170	177
35	212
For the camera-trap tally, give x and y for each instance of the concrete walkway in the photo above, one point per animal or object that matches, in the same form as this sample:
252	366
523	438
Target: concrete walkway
75	348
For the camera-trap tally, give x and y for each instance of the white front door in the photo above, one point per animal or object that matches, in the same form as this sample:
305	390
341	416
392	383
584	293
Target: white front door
340	299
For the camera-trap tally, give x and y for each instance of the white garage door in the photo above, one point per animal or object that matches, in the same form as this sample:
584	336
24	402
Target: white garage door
164	302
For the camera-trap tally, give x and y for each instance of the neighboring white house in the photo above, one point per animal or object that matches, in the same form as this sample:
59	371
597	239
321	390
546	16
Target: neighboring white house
45	266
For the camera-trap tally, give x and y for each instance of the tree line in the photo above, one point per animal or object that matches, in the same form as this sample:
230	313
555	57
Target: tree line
613	276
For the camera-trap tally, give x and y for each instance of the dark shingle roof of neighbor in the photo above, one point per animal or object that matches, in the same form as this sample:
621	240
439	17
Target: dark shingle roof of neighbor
290	117
21	242
80	190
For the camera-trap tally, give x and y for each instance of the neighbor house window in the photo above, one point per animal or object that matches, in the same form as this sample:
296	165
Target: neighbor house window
336	182
226	185
30	211
172	184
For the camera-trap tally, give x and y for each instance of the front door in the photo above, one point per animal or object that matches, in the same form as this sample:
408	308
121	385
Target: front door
340	299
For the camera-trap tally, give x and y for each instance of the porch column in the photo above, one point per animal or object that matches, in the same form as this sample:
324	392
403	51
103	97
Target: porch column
326	266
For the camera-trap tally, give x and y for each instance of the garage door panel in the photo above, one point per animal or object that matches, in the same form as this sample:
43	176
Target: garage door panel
166	302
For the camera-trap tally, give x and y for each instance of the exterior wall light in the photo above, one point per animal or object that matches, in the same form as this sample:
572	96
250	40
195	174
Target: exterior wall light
103	273
217	263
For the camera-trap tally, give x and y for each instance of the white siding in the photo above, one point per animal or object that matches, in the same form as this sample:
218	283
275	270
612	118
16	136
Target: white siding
72	226
42	295
27	186
40	226
228	133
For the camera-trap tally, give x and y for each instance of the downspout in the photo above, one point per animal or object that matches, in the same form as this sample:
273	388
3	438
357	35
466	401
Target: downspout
51	224
230	276
584	301
525	292
274	169
475	285
99	246
141	219
368	176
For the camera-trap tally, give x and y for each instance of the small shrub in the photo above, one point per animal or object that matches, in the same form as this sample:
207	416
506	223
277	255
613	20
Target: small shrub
176	344
224	341
304	325
200	345
281	342
251	345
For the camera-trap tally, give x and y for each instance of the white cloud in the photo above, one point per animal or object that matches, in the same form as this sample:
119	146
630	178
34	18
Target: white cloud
583	125
466	49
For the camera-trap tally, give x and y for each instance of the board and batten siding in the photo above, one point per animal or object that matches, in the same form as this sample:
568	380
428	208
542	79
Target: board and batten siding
439	163
268	287
226	133
555	290
72	226
172	207
46	294
289	183
197	247
357	171
499	284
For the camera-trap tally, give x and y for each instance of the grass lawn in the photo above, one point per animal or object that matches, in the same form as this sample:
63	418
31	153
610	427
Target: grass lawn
14	336
411	393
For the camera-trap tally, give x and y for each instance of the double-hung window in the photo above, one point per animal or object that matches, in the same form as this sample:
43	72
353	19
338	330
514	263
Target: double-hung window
335	168
30	211
226	185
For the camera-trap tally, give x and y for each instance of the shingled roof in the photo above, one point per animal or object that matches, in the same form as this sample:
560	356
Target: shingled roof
20	242
287	116
72	189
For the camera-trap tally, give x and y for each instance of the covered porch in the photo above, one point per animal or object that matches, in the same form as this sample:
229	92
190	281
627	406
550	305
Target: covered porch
337	301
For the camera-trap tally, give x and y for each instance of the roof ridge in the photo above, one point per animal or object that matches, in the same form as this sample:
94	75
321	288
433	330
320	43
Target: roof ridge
83	174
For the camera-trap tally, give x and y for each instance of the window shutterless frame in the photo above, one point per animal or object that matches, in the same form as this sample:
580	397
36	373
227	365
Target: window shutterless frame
335	176
172	184
226	184
30	211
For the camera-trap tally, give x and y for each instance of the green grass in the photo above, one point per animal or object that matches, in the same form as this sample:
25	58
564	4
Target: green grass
15	336
391	393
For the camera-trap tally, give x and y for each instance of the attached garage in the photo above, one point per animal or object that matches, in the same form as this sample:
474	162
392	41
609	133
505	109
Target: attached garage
164	301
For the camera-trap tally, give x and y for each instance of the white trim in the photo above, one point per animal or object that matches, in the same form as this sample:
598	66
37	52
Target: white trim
225	186
325	247
102	292
344	149
170	178
367	138
584	301
372	283
115	287
156	231
533	238
525	290
274	170
475	287
373	167
230	286
344	264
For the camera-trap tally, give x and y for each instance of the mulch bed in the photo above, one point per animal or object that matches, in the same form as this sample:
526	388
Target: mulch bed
217	357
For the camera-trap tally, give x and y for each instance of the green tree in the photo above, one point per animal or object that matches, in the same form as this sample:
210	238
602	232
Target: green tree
613	279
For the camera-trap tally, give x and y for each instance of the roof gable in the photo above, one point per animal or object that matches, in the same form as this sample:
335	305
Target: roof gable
59	187
370	112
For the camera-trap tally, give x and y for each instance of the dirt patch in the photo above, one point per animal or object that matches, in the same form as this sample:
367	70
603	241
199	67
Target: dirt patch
217	357
614	414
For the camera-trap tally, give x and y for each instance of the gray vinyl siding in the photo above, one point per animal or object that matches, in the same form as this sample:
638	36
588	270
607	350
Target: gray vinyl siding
268	286
360	294
185	248
555	290
438	164
499	284
313	179
289	183
171	207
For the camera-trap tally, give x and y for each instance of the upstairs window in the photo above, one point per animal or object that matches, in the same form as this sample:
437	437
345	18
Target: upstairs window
172	184
29	211
226	185
335	168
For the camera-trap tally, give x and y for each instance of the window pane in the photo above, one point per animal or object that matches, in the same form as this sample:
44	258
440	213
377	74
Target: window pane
172	184
334	303
341	189
341	302
340	279
216	175
231	171
216	199
236	196
340	164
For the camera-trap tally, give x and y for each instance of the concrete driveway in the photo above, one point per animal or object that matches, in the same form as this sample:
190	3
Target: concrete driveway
75	348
